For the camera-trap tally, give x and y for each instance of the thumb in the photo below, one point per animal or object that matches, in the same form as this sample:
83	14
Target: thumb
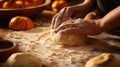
92	15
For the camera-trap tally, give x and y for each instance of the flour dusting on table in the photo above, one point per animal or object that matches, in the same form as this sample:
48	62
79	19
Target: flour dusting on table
38	43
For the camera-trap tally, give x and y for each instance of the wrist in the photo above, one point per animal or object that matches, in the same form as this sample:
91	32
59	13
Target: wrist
100	25
103	25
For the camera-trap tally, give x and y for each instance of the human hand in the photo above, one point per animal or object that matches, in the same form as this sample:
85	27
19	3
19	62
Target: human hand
67	12
80	27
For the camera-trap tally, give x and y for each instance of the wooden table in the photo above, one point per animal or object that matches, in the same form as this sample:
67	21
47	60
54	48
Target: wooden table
110	39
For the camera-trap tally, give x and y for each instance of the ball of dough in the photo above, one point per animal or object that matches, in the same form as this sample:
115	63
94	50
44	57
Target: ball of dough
67	39
22	60
103	60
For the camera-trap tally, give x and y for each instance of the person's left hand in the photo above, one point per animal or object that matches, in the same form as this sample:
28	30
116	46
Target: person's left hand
81	27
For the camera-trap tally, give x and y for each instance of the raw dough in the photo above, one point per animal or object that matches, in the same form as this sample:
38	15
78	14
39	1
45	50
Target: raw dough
67	39
103	60
22	60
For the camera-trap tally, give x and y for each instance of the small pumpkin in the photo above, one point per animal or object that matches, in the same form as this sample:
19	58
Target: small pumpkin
21	23
9	5
19	3
38	1
57	5
32	2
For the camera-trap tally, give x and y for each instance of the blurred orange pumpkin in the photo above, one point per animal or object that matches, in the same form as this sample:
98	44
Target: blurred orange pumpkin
21	23
19	3
28	3
38	1
57	5
9	5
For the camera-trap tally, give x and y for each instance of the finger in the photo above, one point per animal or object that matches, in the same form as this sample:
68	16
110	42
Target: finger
74	31
70	31
67	15
65	25
53	21
59	18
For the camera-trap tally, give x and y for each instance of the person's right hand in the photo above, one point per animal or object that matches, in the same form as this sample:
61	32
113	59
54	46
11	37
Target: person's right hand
80	27
75	11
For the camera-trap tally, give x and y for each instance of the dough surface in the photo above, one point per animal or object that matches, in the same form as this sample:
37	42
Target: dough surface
22	60
67	39
103	60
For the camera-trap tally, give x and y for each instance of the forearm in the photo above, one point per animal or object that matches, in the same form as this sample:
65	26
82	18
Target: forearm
111	20
89	3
